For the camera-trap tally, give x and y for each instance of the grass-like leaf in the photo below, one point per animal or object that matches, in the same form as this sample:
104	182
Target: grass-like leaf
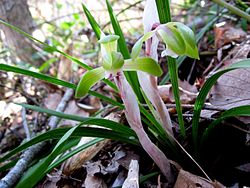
51	48
203	94
80	132
233	112
131	76
52	80
38	171
73	152
54	49
95	26
85	120
9	68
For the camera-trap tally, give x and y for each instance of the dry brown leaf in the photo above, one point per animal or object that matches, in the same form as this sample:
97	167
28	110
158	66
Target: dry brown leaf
227	34
232	88
72	108
52	100
188	180
65	66
187	94
91	180
79	159
132	181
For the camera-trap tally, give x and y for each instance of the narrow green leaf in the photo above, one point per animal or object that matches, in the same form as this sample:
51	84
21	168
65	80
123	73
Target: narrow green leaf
38	171
163	8
201	98
80	132
52	48
45	66
173	71
107	99
144	64
40	76
233	112
131	76
55	81
72	153
85	120
92	22
8	165
89	79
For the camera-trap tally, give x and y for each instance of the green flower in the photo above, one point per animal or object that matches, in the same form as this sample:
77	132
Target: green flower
113	62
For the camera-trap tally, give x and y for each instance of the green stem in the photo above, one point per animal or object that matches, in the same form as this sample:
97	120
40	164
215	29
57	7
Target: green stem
233	9
164	13
173	73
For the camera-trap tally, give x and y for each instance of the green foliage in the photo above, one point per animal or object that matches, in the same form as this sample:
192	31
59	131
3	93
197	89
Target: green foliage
203	94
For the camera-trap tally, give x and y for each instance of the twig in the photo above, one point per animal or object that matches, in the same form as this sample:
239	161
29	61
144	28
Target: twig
21	166
191	106
25	124
61	107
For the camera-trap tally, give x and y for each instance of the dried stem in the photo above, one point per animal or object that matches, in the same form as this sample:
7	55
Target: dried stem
132	113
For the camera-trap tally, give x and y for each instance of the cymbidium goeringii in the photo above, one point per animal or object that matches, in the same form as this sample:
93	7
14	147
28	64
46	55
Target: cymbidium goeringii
114	63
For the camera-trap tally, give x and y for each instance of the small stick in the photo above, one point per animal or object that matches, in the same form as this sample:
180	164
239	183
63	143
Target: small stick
25	124
21	166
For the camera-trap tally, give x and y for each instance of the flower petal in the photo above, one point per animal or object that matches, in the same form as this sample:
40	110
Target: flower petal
145	64
150	15
89	79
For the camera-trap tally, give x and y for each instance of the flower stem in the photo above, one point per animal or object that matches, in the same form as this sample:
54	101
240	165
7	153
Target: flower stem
163	7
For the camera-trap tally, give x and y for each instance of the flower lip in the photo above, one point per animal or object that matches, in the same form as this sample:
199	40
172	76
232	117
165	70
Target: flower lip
108	38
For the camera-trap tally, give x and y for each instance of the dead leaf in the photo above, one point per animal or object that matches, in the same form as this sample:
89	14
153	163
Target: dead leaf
65	66
227	34
132	180
186	96
81	158
125	161
52	100
72	108
188	180
233	88
244	167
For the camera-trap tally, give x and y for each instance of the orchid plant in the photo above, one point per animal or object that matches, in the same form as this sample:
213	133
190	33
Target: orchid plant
179	40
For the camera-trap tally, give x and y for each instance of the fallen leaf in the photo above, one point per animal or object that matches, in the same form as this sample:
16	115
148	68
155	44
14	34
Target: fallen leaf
186	96
227	34
187	180
244	167
132	181
81	158
65	66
